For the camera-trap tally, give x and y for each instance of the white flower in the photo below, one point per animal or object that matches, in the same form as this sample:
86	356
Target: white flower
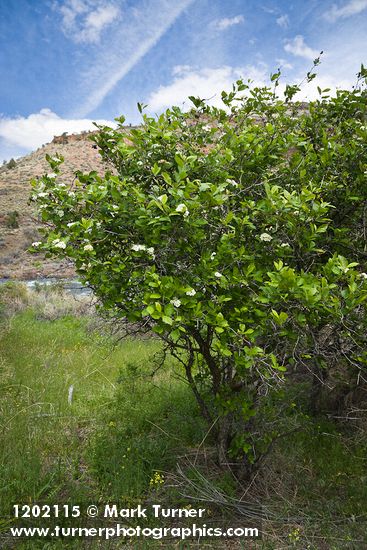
101	187
212	255
187	213
60	244
70	224
42	194
181	207
150	250
37	243
55	241
217	274
191	292
283	245
138	247
88	247
139	163
61	185
115	207
207	128
363	275
175	302
52	175
265	237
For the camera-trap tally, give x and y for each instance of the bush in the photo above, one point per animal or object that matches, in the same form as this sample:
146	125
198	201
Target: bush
11	164
13	297
12	220
237	235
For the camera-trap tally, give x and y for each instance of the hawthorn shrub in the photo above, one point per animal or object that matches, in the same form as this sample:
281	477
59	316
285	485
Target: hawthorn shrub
238	236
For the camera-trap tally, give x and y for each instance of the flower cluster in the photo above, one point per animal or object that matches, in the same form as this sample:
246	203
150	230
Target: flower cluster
265	237
157	479
191	292
142	248
182	209
57	243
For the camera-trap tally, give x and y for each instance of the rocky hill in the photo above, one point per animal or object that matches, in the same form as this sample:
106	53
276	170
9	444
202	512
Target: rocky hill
18	220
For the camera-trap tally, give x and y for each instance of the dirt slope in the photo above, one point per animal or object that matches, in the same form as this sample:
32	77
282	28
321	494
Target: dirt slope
15	187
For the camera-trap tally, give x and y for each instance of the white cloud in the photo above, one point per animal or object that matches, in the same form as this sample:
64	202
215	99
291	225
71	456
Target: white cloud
38	128
337	69
85	20
179	69
96	21
206	83
298	47
142	32
283	63
223	24
350	8
283	21
325	80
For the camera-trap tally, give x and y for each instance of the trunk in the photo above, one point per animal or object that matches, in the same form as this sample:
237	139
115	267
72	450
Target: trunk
224	433
242	469
318	384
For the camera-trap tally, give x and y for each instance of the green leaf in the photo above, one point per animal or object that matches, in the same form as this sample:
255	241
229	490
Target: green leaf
156	169
167	178
167	320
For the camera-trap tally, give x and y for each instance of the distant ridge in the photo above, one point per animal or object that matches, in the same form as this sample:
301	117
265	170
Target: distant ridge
15	262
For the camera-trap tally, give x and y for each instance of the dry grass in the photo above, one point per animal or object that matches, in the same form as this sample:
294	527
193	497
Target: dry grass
48	302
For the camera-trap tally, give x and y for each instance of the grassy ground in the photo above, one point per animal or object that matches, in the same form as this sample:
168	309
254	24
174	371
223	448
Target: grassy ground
122	434
121	428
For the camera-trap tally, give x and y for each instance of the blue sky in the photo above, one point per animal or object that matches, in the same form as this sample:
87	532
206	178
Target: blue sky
66	63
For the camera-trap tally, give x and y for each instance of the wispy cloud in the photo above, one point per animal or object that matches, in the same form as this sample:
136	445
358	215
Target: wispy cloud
39	128
84	20
126	47
206	83
283	21
298	47
353	7
226	22
283	63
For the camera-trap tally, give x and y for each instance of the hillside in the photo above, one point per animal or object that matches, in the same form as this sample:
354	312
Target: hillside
15	187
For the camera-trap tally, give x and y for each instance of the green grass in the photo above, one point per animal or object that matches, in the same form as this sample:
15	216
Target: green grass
122	426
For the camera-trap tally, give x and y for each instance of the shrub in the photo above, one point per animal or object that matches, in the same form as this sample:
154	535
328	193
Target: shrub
238	236
13	297
11	164
12	220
